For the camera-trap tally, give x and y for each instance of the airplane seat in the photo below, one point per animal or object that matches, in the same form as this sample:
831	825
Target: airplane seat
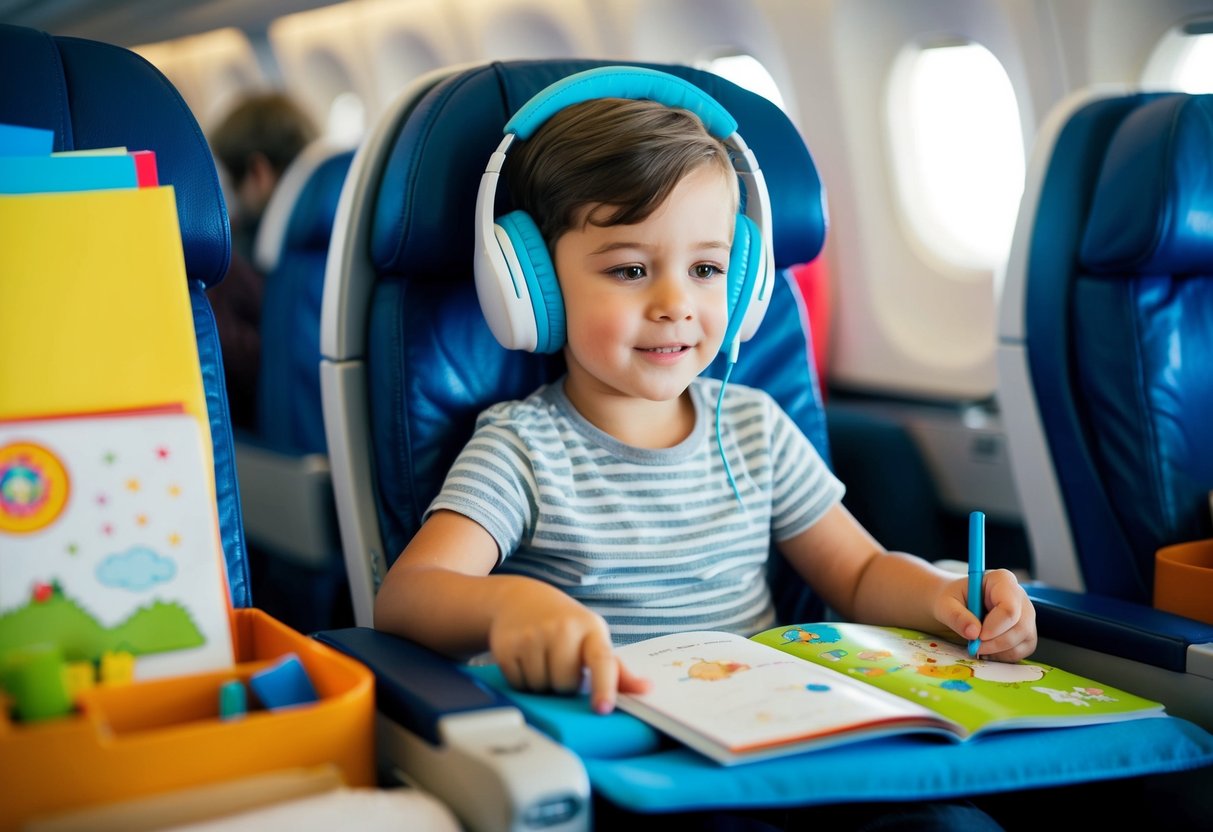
409	360
285	484
421	344
291	249
1104	352
408	363
96	95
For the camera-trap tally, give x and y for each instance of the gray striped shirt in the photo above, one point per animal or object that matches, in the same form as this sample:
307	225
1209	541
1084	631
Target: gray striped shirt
653	540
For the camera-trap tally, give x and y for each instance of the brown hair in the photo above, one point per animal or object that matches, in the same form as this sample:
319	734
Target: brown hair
268	123
622	153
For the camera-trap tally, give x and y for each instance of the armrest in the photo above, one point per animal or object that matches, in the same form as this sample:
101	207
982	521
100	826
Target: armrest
463	742
414	686
1120	628
288	502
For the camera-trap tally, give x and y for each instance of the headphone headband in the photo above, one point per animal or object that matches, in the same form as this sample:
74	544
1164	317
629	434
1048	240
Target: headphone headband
621	82
515	279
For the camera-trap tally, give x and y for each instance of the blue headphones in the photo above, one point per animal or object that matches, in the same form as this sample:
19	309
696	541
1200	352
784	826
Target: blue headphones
515	278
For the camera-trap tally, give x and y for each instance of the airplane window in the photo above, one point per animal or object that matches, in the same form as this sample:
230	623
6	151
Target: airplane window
958	153
1193	71
346	120
745	71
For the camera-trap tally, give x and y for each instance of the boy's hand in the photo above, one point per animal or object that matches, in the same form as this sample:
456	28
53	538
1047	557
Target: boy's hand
1008	632
544	639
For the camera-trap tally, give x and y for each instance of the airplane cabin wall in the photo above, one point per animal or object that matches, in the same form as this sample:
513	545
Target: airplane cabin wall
911	331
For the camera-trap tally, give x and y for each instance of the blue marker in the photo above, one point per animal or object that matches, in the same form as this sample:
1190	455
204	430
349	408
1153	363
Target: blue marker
977	568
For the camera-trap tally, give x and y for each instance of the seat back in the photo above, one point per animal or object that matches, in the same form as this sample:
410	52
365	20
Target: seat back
285	483
291	249
409	360
1106	340
95	95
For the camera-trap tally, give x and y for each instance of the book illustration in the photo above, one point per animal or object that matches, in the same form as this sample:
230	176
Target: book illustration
748	699
923	654
33	487
714	671
110	542
975	692
936	659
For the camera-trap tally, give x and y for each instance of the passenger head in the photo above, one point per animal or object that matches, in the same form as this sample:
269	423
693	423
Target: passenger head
636	203
255	142
622	154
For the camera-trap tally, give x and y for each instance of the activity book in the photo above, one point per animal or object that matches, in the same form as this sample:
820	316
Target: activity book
110	542
791	689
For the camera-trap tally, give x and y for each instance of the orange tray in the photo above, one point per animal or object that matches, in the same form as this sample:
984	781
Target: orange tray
1183	579
149	737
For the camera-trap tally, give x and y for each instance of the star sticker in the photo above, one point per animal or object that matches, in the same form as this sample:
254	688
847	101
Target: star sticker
132	485
141	520
102	499
109	457
162	452
107	529
174	490
73	549
174	539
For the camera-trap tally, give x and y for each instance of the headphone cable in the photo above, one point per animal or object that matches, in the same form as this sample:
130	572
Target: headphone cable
728	371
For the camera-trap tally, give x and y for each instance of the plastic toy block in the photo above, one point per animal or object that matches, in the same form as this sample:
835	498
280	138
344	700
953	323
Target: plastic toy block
34	678
117	668
233	701
284	684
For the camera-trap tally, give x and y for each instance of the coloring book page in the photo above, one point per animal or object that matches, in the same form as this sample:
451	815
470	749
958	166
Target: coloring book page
109	541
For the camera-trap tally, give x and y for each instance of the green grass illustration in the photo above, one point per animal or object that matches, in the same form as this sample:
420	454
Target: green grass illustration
155	628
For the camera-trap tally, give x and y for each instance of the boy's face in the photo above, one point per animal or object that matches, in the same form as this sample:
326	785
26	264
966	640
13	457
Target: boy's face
646	304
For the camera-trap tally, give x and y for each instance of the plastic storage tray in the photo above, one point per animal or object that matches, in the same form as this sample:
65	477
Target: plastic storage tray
155	736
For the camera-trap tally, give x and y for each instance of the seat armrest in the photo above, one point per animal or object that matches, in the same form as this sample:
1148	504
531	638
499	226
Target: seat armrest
414	686
440	728
1120	628
288	503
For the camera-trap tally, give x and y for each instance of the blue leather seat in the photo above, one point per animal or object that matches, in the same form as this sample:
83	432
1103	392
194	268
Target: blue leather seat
409	362
1106	345
97	95
286	488
403	312
291	249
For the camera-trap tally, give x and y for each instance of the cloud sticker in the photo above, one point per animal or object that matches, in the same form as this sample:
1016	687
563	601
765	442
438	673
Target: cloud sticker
136	569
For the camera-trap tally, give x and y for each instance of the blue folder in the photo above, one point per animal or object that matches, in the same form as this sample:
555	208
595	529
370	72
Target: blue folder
16	140
52	174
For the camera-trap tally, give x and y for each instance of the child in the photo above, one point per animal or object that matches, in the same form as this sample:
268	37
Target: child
599	507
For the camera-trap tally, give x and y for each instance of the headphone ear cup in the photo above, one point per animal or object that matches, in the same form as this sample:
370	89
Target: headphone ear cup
539	274
745	263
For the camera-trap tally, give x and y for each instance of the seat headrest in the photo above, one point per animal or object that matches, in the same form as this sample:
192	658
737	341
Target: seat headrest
425	206
95	95
1152	211
300	214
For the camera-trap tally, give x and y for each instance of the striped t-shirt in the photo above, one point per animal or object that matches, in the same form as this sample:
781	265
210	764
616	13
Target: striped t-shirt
653	540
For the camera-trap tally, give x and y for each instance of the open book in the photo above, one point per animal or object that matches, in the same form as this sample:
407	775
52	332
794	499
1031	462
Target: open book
790	689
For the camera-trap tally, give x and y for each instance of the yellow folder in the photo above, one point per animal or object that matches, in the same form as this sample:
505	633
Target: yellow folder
94	308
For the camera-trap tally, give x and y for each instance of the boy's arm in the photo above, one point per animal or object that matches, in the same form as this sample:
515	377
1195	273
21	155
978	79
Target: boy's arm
856	576
439	593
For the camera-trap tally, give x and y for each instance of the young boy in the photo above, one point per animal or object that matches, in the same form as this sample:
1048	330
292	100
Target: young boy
599	507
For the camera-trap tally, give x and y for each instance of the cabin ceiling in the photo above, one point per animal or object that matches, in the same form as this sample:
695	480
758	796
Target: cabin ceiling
133	22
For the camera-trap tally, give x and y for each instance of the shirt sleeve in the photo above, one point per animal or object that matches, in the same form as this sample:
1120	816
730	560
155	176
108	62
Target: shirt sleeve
492	483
